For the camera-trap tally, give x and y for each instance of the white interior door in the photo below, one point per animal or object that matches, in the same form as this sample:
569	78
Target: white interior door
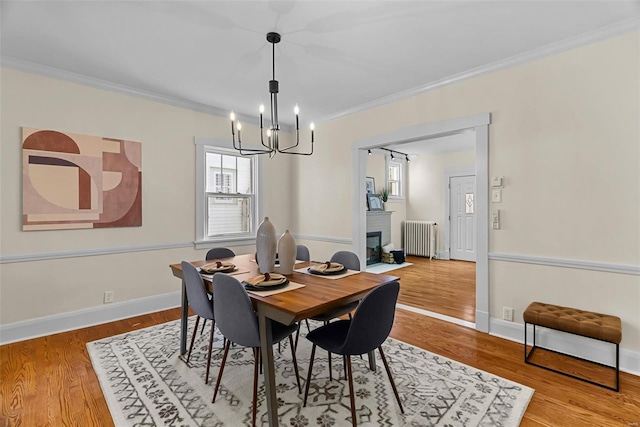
462	193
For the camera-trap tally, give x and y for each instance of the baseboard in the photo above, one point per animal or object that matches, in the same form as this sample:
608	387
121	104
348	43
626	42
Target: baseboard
446	255
568	343
63	322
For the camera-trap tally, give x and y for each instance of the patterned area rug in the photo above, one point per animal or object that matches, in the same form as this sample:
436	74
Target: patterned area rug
146	383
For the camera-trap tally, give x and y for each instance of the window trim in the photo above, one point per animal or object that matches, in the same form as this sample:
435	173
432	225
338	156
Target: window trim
387	165
223	146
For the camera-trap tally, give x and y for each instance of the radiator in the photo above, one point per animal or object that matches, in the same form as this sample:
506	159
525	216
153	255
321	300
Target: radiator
420	238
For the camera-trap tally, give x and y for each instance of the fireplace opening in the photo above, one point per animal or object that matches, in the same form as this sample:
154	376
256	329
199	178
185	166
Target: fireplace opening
374	247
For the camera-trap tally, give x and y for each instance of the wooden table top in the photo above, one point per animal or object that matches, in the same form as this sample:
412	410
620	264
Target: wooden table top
317	296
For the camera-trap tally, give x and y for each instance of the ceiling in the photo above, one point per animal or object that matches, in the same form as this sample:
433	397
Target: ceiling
334	58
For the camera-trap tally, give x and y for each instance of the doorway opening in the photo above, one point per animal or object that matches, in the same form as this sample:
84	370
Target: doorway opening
479	124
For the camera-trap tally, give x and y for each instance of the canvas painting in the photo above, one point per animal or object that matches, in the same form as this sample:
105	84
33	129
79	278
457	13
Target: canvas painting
72	181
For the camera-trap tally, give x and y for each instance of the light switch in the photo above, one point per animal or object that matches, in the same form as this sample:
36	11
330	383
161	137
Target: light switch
496	182
496	196
495	219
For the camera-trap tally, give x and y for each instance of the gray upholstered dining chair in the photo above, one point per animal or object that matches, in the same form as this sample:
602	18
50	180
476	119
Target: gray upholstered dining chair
302	253
215	253
201	304
351	261
238	322
366	331
347	258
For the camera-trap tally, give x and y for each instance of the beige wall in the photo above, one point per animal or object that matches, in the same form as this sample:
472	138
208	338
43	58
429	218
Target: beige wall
426	196
37	289
565	136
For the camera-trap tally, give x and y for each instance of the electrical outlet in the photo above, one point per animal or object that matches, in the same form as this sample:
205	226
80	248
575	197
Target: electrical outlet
108	297
507	314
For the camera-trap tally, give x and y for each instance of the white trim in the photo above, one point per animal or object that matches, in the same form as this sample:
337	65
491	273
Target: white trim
328	239
522	58
568	343
568	263
448	174
443	255
224	145
86	317
603	33
437	316
69	76
6	259
480	124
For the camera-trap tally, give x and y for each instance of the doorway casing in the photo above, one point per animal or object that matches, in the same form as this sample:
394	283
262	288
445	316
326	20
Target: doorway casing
480	125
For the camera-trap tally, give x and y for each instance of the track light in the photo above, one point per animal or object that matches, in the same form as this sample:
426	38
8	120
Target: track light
369	152
392	152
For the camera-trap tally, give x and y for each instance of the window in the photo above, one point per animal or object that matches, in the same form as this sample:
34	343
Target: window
394	179
226	207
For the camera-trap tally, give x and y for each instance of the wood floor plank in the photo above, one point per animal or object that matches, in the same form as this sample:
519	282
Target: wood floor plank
444	287
49	381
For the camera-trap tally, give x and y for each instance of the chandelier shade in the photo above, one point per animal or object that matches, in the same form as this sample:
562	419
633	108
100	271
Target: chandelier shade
269	137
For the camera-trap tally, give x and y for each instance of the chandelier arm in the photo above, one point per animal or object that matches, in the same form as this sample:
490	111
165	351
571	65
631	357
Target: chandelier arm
283	151
246	151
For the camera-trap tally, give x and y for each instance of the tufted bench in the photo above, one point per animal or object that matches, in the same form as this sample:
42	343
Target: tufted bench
588	324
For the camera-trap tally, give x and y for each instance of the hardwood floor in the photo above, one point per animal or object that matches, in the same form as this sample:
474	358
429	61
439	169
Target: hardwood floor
49	381
444	287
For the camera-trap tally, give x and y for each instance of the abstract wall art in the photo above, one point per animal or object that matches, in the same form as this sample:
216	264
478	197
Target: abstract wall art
72	181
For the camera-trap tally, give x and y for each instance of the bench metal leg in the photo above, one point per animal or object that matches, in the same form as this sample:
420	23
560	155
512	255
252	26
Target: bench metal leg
527	357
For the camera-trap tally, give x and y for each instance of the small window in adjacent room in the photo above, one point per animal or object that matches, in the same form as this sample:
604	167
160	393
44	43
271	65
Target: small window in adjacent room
226	206
394	179
468	198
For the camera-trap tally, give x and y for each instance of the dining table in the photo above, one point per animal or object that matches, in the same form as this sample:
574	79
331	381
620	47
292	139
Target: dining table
316	295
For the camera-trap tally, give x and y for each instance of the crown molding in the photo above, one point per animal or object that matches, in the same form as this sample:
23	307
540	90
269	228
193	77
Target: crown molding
69	76
548	50
597	35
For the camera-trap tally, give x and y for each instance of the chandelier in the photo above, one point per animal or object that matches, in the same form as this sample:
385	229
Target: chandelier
269	139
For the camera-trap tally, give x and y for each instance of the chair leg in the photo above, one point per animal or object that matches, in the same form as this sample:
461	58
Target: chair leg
307	322
193	338
329	358
351	393
256	356
224	359
295	363
213	327
344	364
297	336
393	384
204	322
306	388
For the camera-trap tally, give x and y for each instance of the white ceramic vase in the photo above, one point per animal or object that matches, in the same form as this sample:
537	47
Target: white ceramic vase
266	242
287	253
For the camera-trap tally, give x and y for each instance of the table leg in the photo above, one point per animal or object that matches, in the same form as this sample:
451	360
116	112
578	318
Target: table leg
266	343
183	320
372	361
